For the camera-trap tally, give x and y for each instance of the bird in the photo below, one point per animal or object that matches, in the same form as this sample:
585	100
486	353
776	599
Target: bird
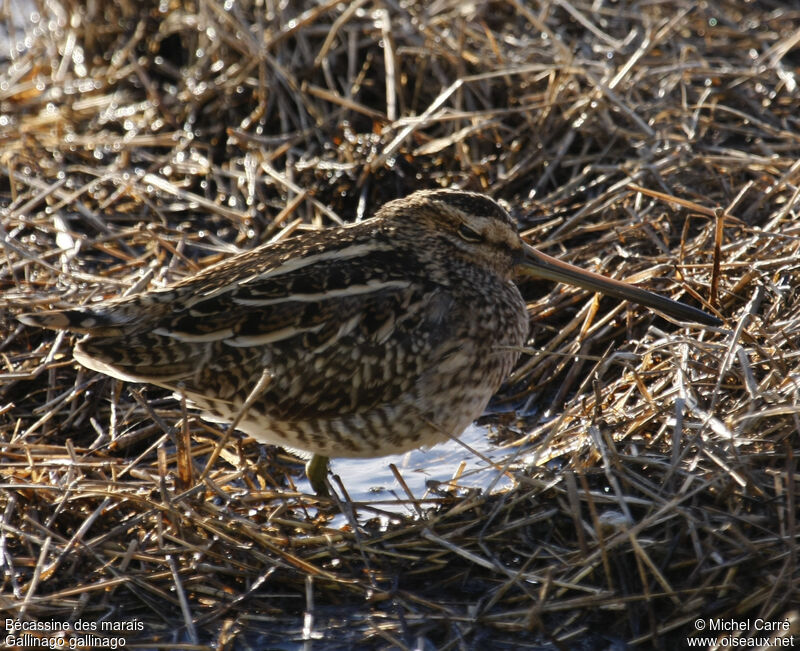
359	341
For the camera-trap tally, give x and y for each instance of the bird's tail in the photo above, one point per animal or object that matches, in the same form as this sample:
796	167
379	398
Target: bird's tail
115	317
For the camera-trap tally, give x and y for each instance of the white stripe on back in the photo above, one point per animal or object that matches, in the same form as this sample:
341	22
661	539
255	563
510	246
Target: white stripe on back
352	290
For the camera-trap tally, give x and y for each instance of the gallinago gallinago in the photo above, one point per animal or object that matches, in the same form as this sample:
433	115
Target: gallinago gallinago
377	338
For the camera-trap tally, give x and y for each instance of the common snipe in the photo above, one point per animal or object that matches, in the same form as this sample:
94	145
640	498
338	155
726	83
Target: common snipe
377	338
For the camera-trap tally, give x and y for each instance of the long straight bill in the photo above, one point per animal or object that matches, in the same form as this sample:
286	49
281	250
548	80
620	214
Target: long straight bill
540	265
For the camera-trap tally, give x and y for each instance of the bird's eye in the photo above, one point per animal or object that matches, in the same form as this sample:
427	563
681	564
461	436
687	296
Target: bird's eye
468	234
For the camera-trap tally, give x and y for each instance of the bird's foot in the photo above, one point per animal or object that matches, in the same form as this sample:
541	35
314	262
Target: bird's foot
317	471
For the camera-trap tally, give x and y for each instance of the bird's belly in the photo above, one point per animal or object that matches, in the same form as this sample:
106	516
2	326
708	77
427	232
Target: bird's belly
385	430
440	408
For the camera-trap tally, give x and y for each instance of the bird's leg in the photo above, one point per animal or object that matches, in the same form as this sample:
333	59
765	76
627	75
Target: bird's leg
317	471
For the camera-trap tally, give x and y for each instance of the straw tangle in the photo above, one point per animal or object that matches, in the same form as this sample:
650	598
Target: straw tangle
651	470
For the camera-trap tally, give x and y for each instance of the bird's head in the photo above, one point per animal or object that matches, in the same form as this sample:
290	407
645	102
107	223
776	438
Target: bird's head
466	225
476	228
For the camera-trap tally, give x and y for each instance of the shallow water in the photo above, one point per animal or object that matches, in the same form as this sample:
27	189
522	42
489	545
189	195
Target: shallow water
371	481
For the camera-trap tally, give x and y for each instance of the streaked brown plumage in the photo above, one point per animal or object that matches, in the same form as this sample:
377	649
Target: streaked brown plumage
378	338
